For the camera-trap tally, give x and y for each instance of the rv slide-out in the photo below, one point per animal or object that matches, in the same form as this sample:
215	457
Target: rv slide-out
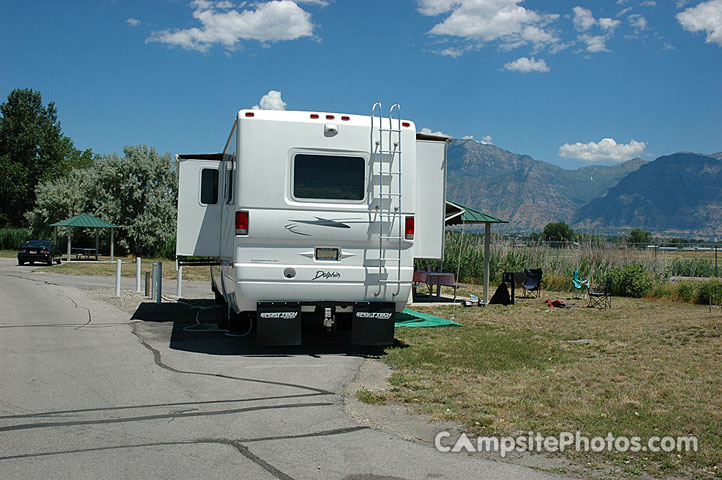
314	216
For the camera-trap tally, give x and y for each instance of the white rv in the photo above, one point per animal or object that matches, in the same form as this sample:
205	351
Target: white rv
314	213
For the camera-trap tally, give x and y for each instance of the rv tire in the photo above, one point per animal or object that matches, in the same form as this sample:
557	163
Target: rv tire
219	298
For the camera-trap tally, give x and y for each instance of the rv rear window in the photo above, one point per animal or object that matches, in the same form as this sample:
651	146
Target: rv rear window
209	186
328	177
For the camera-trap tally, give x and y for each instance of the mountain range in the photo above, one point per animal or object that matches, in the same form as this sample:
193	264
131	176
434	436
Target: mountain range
676	194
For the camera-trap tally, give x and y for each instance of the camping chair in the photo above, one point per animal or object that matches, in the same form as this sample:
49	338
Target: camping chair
601	297
533	281
581	286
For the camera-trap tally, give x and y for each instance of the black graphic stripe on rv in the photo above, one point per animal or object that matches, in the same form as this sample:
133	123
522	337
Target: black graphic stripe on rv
323	222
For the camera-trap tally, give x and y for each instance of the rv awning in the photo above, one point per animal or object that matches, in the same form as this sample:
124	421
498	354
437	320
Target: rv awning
457	214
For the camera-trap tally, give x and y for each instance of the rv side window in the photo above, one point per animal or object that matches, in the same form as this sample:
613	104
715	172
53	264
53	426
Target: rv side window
328	177
209	186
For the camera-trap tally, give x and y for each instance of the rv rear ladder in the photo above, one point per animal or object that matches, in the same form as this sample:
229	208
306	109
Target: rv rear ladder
387	212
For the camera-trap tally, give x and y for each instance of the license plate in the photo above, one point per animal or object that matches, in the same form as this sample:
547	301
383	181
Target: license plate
327	253
33	252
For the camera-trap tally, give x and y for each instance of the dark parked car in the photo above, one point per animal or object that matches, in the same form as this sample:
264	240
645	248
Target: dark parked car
38	251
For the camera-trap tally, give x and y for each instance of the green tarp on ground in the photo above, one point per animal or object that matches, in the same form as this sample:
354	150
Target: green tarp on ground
410	318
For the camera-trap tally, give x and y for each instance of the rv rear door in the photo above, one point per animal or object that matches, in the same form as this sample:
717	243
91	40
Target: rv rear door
199	205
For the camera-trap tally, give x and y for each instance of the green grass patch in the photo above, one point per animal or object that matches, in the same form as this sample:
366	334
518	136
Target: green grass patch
367	396
643	368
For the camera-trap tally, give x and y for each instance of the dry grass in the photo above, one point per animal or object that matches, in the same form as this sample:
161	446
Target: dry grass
652	368
105	267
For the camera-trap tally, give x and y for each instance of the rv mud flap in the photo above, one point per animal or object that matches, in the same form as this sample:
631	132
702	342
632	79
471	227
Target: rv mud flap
373	324
278	323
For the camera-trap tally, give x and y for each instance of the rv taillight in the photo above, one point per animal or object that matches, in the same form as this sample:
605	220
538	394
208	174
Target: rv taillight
345	118
314	115
406	124
330	117
409	228
241	223
250	114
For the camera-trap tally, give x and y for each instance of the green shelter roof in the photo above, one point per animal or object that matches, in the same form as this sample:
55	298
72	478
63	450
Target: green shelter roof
457	213
84	220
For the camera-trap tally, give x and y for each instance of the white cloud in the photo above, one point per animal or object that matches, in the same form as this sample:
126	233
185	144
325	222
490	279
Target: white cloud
595	43
606	150
649	3
583	19
221	23
624	11
608	24
428	131
638	22
707	17
526	65
271	101
133	22
455	51
502	21
486	140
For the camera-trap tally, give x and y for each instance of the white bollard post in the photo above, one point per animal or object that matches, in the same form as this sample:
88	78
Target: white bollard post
179	281
159	293
117	278
137	275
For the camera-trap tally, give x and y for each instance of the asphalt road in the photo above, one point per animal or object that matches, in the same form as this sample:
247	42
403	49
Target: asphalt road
89	390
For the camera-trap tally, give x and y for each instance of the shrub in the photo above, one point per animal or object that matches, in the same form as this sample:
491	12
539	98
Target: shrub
631	281
709	292
13	238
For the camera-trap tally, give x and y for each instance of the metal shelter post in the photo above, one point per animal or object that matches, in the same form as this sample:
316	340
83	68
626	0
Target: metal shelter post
112	239
487	244
69	230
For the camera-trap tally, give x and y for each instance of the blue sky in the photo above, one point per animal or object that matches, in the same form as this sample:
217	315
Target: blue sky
569	82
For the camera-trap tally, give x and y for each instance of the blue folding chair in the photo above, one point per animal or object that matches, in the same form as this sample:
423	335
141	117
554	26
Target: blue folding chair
581	286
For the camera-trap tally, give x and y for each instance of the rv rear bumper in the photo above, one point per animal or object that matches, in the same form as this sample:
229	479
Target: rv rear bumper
280	323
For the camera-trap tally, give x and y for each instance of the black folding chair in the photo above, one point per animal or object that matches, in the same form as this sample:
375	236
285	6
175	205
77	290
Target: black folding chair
533	281
601	297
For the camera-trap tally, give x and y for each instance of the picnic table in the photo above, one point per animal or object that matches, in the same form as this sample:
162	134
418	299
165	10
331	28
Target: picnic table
86	253
435	278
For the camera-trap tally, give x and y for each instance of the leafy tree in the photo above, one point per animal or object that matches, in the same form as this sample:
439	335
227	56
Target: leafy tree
58	199
33	149
558	232
137	191
640	236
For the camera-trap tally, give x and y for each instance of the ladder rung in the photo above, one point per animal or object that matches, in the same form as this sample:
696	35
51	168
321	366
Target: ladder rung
387	259
390	238
387	152
392	281
389	173
390	130
389	214
389	194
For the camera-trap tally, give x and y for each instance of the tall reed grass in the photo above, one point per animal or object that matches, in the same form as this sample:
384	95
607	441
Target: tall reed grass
464	256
